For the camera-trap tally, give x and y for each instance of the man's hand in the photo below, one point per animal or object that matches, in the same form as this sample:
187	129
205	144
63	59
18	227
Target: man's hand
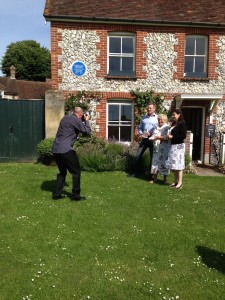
87	117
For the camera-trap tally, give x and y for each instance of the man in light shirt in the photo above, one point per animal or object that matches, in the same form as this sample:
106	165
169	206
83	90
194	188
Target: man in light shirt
148	123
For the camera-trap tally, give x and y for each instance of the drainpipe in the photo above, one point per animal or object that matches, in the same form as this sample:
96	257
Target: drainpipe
223	149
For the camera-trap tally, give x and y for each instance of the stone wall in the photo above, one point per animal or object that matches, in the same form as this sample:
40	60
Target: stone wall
54	111
160	67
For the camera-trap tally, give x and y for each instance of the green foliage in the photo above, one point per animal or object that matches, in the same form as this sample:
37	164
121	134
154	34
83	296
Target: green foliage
114	149
95	154
81	99
188	164
76	100
32	61
101	156
187	159
141	100
92	139
44	148
92	158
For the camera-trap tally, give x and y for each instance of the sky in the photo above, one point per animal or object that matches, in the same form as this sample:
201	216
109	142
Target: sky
23	20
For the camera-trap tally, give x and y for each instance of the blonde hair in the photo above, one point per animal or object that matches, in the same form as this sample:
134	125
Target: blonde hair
163	117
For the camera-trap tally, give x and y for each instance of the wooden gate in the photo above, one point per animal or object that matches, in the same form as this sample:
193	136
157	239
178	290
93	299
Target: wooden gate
22	126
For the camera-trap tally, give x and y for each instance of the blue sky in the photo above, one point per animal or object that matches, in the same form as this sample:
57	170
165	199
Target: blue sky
23	20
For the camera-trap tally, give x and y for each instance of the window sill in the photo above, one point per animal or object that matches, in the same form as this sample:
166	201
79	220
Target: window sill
119	77
206	79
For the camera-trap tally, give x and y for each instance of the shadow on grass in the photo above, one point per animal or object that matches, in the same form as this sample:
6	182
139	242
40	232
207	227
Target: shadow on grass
212	258
141	176
50	186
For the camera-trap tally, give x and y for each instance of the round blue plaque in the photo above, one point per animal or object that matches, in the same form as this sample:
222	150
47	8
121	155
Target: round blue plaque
79	68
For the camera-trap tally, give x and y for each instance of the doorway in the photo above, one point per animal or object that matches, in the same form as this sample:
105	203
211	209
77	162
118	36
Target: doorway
193	117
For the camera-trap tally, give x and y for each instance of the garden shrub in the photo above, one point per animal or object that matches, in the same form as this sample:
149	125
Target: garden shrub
44	148
114	149
101	157
91	157
130	153
97	154
189	169
92	139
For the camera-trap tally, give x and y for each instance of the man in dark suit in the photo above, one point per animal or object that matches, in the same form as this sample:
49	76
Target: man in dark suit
65	156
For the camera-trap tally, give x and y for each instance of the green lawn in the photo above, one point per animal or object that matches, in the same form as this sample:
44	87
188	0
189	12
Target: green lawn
130	240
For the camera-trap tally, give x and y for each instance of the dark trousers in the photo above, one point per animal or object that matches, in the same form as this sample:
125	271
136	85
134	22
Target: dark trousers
145	144
67	161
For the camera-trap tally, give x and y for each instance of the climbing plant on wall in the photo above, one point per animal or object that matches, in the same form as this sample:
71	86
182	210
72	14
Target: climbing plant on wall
141	100
82	99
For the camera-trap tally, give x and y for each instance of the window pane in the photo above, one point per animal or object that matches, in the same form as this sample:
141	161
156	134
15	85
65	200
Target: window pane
190	46
113	113
189	64
113	132
200	46
127	64
114	64
127	45
114	45
199	65
126	113
125	133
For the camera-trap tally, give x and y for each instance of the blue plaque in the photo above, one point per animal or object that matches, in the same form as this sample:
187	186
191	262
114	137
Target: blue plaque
79	68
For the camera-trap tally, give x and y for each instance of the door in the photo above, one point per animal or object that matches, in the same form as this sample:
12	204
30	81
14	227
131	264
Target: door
21	128
194	118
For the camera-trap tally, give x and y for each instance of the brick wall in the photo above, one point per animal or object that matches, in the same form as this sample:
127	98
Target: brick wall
187	142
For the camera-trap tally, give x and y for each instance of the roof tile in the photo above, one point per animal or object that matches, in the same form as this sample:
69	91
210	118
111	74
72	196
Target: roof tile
24	89
200	11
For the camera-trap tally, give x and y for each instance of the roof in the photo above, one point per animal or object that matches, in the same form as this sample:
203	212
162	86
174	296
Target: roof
24	89
207	12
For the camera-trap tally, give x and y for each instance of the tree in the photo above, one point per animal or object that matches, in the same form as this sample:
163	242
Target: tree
32	61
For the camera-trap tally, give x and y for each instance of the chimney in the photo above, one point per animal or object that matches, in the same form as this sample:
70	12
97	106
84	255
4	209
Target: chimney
12	72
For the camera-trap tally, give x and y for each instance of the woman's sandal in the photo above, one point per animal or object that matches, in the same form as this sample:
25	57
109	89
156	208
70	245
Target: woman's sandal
179	187
174	184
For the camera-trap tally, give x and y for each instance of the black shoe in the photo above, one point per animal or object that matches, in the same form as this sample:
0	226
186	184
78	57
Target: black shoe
78	198
55	197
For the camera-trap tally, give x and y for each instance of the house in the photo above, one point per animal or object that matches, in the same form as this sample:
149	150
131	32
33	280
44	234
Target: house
176	48
11	88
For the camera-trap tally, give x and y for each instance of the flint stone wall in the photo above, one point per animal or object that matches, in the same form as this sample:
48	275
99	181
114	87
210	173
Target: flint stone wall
160	55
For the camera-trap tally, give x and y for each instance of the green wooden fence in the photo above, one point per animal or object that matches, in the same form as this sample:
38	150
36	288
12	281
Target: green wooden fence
22	126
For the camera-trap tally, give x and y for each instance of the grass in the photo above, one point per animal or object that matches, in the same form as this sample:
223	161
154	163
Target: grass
129	240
